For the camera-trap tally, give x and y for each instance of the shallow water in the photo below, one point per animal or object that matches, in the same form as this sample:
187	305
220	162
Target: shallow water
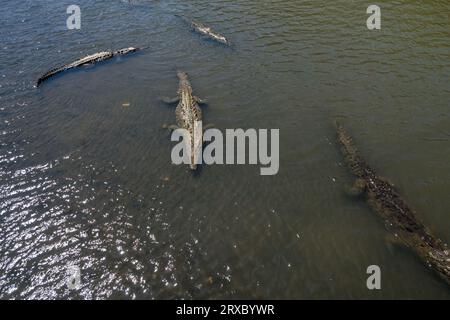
85	181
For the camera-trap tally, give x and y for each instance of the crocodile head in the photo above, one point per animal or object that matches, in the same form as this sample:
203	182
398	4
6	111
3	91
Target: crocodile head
182	75
126	50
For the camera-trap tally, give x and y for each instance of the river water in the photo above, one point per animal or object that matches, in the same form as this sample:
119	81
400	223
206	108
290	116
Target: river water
87	182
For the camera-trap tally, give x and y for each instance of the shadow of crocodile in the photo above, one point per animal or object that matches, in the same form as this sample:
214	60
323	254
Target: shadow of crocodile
387	203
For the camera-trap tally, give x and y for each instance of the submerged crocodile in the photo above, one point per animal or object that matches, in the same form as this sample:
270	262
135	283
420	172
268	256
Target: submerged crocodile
205	30
188	115
90	59
390	206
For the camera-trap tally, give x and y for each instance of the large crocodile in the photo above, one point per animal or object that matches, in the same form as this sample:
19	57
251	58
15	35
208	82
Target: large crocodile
93	58
188	116
205	31
389	205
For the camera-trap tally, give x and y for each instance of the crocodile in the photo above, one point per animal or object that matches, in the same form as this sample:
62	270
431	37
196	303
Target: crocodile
205	31
188	115
390	206
90	59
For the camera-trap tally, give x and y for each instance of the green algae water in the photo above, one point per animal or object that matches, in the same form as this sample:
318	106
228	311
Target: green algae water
86	178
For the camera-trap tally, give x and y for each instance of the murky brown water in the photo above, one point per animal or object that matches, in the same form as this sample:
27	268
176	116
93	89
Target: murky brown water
88	182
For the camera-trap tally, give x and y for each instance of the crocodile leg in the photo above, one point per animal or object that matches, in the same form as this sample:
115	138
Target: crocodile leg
200	101
358	188
393	242
170	127
170	100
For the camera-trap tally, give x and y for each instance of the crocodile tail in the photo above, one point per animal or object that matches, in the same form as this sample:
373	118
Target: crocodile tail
49	74
186	20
